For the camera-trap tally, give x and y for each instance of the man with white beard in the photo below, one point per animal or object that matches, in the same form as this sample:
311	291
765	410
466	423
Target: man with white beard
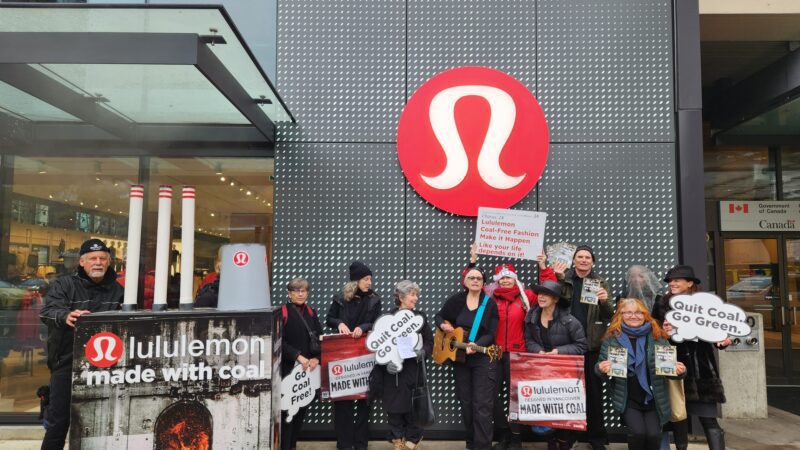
93	288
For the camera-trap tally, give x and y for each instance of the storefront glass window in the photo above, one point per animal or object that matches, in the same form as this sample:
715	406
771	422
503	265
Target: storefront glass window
739	174
233	205
49	207
790	173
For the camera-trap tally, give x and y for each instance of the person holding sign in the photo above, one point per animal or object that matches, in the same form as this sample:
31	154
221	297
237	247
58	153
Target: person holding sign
353	312
475	377
702	387
638	392
587	294
396	385
301	328
550	329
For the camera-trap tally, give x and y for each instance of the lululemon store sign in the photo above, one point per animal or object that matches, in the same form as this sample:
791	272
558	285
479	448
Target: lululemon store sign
472	137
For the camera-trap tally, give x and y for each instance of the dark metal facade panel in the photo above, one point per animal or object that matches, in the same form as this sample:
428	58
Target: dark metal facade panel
618	198
336	203
341	69
605	70
453	33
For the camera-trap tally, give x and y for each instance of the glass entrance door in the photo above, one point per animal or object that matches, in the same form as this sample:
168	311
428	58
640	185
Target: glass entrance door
753	282
791	304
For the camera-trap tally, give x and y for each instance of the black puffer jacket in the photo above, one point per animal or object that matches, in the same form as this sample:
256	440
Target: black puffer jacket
365	305
69	293
566	333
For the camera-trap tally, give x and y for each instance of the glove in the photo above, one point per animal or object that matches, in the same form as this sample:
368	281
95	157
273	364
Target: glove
392	368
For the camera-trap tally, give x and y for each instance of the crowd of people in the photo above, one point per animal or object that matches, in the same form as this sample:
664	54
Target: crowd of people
497	309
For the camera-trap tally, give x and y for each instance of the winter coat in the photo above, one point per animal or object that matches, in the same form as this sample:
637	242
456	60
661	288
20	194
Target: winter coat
68	293
565	332
396	389
337	313
702	383
598	316
618	387
511	317
295	335
488	326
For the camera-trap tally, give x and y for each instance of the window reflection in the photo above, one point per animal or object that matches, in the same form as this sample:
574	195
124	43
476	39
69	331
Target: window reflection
739	174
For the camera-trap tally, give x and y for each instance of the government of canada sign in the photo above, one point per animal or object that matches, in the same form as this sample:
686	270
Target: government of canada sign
759	215
471	137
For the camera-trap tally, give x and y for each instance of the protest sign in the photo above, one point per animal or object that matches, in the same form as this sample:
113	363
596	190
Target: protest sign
706	317
297	389
547	390
387	330
510	233
346	365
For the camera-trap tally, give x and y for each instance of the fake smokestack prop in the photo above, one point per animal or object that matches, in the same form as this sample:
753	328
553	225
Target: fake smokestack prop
243	278
187	246
162	248
134	245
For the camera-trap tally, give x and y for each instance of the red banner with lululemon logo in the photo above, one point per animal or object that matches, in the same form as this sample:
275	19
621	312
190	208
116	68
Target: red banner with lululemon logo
346	365
547	390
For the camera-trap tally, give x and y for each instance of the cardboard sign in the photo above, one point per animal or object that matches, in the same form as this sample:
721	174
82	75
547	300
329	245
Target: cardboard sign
297	389
510	233
346	365
388	329
547	390
706	317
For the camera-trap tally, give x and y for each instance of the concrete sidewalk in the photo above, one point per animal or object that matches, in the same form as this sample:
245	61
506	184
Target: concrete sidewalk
780	431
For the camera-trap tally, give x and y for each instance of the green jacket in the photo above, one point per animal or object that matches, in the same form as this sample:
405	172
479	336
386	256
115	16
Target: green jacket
618	387
598	316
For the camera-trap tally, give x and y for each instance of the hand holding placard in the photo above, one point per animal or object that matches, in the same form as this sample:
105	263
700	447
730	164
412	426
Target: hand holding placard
387	330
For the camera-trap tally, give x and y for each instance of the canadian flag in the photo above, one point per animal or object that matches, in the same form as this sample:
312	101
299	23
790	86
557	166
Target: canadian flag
734	209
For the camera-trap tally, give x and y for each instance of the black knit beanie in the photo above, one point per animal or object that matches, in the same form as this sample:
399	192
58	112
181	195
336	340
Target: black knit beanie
358	270
587	248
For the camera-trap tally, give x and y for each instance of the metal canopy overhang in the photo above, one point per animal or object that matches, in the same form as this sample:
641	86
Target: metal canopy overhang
22	51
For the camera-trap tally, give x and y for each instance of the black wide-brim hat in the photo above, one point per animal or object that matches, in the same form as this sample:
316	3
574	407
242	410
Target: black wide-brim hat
549	287
681	271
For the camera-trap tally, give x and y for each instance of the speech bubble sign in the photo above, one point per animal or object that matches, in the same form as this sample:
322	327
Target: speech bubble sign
706	317
383	338
297	389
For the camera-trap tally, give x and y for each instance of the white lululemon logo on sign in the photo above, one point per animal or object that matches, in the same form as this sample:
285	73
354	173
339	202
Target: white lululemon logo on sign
241	258
104	349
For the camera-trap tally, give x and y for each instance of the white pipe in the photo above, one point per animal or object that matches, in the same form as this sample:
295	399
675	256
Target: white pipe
187	247
134	246
162	248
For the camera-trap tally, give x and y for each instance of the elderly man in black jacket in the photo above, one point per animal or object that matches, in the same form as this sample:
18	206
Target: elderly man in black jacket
93	288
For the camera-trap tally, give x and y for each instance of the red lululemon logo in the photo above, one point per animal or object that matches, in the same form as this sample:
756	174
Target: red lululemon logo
241	258
472	137
104	349
337	370
526	391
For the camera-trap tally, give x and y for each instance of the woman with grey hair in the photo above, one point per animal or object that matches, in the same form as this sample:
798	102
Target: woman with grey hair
395	387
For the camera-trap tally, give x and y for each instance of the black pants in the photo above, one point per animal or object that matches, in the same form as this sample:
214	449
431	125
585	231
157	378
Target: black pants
644	429
402	426
351	420
290	431
476	381
501	402
58	411
680	432
595	427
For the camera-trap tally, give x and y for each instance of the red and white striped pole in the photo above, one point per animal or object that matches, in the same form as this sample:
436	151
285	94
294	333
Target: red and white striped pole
134	246
187	247
162	247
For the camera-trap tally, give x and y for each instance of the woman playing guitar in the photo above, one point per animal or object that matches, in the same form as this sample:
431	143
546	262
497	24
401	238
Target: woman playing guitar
476	377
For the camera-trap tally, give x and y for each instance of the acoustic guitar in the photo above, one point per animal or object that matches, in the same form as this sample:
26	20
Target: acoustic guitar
451	346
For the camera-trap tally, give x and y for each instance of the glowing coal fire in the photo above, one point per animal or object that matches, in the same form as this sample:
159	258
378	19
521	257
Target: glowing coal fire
184	426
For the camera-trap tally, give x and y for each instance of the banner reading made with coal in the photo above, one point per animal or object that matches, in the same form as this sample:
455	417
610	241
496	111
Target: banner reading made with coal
197	379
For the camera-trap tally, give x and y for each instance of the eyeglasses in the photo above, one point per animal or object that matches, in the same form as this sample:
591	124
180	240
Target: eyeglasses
633	314
475	278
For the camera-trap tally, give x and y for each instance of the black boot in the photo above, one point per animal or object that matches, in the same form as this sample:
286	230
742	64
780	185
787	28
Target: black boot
716	438
516	441
504	441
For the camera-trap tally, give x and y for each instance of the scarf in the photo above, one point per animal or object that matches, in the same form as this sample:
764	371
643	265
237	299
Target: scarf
637	359
510	293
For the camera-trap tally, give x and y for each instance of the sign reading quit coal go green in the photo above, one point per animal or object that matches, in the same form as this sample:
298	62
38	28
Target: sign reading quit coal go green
759	216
